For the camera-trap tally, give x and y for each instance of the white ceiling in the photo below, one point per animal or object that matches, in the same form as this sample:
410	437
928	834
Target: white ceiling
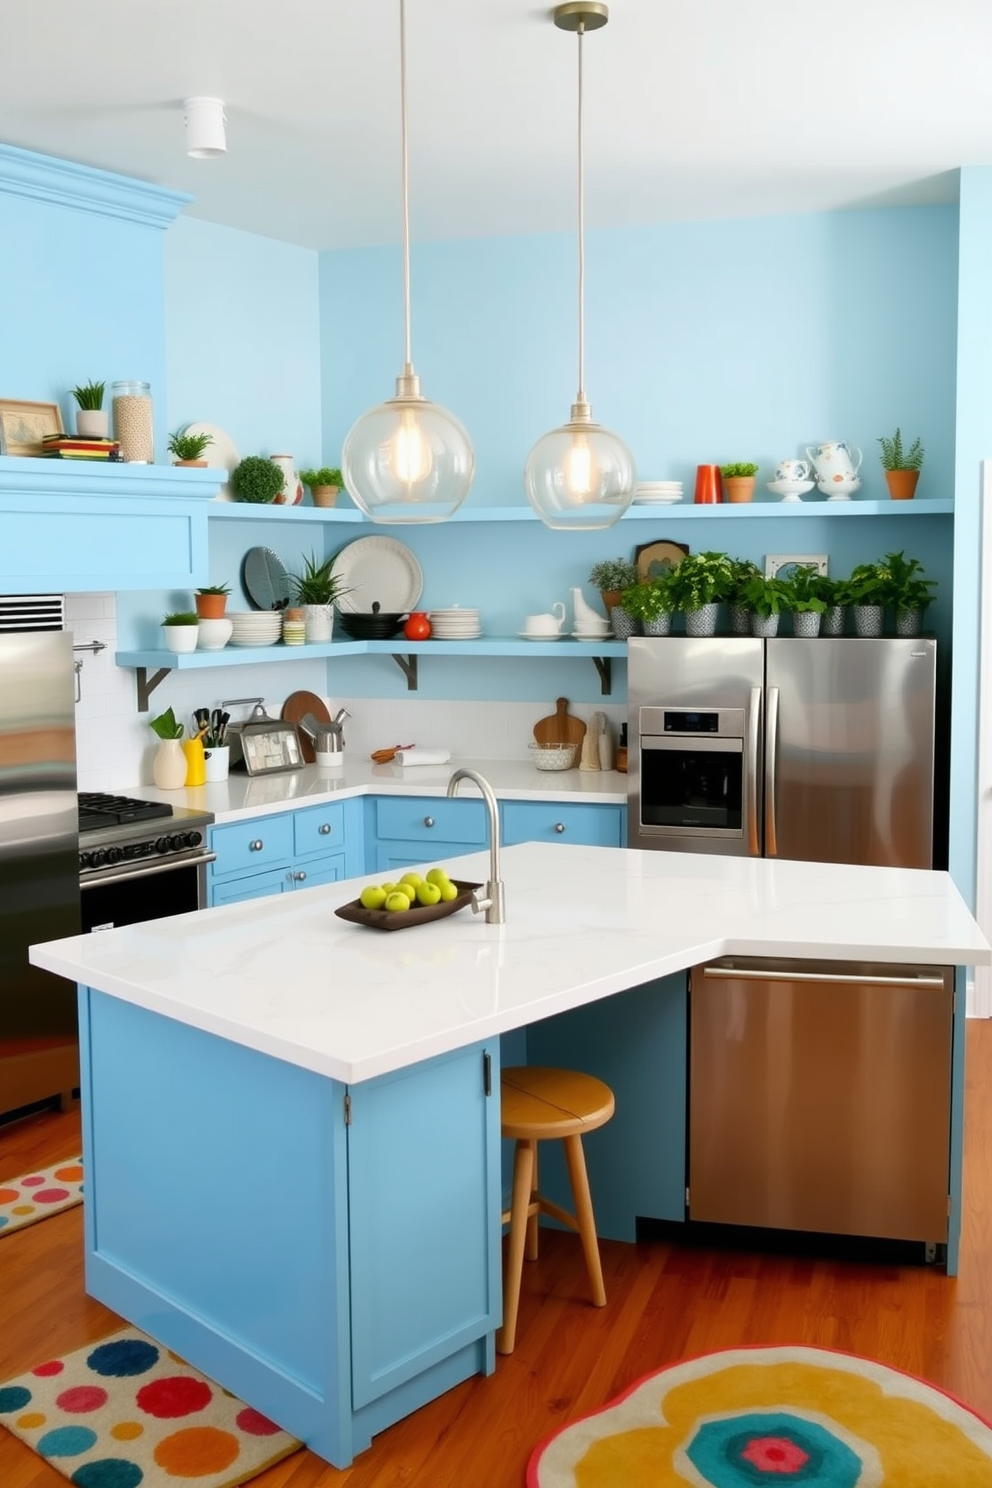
694	108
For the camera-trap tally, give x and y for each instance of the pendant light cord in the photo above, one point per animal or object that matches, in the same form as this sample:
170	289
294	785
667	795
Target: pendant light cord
408	369
581	397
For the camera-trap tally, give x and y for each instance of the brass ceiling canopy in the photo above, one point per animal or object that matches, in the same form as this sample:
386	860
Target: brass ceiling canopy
581	15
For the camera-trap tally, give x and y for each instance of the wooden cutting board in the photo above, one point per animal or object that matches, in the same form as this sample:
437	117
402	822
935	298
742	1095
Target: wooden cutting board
560	728
297	706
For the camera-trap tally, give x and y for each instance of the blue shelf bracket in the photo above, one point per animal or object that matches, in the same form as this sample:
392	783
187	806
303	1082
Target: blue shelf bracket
408	666
147	685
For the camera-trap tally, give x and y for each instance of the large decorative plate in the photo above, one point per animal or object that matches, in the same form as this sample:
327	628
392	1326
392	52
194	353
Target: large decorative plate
220	455
378	570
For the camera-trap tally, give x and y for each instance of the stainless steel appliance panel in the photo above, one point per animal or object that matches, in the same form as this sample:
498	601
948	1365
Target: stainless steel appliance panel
819	1097
39	882
849	750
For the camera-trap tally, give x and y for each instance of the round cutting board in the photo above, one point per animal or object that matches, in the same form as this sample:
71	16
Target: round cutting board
297	706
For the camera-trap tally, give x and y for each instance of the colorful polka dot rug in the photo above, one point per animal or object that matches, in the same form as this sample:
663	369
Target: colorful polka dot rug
125	1411
46	1191
773	1416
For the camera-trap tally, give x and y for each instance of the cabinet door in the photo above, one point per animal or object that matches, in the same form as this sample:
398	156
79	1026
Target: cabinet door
248	846
424	1204
557	821
314	871
250	886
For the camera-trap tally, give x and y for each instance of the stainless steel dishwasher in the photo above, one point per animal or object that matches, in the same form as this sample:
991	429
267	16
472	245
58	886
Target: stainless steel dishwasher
819	1097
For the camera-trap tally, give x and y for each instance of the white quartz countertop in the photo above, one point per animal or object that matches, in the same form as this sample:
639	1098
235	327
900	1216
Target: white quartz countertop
287	977
242	796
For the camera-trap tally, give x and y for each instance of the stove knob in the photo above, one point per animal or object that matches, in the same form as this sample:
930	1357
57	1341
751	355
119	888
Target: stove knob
84	860
114	855
193	839
98	858
176	842
161	844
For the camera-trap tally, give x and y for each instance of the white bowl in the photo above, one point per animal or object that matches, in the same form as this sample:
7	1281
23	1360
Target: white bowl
553	756
213	635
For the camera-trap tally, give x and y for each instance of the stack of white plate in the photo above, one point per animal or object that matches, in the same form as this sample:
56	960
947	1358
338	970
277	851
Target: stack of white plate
657	493
255	627
455	624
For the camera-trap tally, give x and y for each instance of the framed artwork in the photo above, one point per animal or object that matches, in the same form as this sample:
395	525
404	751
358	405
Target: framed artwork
783	565
654	558
24	425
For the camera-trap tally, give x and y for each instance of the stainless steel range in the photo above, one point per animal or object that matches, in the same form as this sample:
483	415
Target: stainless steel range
139	860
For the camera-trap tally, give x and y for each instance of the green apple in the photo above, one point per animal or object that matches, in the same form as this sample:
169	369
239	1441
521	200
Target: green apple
436	876
413	879
397	903
448	891
428	893
390	888
373	897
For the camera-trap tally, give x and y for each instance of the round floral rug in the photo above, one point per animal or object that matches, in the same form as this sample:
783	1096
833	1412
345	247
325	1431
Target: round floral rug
772	1416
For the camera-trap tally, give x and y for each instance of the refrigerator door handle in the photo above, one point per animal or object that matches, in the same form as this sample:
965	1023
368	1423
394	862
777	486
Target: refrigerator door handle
771	759
753	738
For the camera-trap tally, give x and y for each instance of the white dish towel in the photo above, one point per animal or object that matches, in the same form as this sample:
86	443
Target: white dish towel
408	757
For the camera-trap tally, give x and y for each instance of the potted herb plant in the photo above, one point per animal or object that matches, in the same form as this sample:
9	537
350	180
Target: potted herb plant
867	593
611	576
902	466
92	419
738	480
909	592
698	584
188	448
256	479
765	598
169	766
324	484
805	599
316	589
179	630
211	601
648	604
740	616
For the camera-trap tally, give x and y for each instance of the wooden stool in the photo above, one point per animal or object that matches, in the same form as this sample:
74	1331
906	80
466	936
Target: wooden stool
538	1105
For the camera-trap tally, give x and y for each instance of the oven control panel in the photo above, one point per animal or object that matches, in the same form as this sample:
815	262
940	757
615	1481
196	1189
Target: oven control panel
161	846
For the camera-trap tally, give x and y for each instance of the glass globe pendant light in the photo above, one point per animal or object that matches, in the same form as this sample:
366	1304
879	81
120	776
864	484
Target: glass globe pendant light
407	460
580	476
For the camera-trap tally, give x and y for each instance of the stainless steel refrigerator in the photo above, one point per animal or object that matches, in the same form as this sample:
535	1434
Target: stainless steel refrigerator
39	863
817	749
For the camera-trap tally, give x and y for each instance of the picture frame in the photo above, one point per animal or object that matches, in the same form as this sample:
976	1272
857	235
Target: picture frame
24	424
781	565
656	557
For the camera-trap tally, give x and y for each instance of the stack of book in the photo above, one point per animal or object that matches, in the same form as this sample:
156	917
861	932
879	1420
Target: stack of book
72	447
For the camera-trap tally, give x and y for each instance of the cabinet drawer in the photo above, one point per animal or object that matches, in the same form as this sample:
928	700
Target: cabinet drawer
319	829
428	819
555	821
249	845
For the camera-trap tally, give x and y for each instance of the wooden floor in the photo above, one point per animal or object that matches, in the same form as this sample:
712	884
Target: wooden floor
665	1303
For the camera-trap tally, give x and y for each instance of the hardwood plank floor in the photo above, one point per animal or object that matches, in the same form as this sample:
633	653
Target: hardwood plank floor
666	1302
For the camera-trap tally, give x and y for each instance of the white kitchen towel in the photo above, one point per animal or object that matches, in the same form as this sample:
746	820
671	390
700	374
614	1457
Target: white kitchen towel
423	757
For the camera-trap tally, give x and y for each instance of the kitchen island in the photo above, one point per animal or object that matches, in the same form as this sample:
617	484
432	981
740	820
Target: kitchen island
291	1123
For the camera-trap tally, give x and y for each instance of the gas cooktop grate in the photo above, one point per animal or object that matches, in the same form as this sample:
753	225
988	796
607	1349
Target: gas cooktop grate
96	809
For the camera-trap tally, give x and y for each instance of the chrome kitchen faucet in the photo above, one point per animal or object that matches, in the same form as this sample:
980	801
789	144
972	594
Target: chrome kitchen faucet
493	901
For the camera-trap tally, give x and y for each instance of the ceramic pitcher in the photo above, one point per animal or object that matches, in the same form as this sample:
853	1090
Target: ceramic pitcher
834	460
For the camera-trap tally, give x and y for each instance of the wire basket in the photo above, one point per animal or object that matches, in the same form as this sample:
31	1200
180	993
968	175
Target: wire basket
553	756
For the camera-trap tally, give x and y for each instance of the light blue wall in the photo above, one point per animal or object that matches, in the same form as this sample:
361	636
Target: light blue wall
709	341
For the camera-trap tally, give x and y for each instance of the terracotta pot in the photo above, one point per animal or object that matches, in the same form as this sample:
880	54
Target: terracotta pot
325	495
211	606
738	487
199	464
902	484
610	598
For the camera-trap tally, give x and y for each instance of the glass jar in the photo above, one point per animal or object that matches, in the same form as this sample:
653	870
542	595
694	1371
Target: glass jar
131	404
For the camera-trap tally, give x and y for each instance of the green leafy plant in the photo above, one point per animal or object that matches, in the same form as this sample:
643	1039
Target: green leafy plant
894	457
908	587
868	584
611	575
650	598
256	479
318	583
214	589
700	579
742	569
181	617
739	470
325	476
806	590
188	446
89	394
167	726
765	596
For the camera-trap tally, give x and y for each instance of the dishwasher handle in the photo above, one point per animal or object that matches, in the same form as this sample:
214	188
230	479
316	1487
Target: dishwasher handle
823	978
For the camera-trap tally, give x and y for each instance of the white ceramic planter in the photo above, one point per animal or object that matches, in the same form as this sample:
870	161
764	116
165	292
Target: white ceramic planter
319	621
92	423
180	638
764	625
660	626
806	623
868	620
832	623
740	620
702	622
909	622
213	635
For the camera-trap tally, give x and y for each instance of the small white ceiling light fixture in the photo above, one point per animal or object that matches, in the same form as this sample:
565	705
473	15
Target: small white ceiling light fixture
580	476
407	460
206	127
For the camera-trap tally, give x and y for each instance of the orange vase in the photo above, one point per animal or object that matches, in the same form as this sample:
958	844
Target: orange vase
708	485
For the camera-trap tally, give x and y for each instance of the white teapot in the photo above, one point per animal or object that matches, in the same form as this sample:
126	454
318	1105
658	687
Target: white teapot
835	461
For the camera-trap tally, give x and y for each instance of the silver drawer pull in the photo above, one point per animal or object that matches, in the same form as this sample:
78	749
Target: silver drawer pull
428	821
324	829
559	826
300	876
256	846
